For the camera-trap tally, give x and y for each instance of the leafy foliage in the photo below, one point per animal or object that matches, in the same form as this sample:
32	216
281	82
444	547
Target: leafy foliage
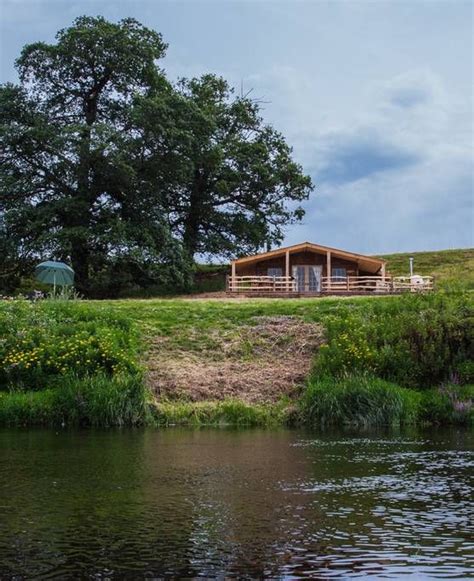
240	176
355	400
94	401
347	384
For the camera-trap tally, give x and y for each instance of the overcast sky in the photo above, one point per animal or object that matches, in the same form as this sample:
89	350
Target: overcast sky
376	98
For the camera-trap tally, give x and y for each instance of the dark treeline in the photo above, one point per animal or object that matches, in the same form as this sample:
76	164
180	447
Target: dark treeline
107	164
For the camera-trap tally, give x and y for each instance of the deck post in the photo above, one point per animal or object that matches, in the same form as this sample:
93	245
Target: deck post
232	278
287	269
328	269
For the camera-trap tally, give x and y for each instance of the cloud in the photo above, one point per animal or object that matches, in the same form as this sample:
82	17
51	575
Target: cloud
399	177
427	205
411	89
385	136
407	97
392	165
353	156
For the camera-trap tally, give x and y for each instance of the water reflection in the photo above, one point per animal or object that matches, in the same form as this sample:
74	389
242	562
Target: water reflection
215	503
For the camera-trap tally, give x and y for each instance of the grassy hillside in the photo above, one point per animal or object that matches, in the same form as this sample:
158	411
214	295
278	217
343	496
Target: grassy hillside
447	266
330	360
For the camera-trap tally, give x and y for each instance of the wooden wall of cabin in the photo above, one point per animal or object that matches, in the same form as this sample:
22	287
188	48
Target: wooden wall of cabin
352	268
298	258
261	268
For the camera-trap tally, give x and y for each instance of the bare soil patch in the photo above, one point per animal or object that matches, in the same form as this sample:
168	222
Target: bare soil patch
257	363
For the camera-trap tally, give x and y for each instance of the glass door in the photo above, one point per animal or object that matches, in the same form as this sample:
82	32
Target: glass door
307	278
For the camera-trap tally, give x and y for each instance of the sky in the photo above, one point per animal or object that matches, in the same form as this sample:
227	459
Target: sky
375	97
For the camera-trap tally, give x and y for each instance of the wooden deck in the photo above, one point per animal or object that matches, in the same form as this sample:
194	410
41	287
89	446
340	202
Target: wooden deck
283	286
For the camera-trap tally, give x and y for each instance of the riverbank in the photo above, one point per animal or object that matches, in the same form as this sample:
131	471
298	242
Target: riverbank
389	360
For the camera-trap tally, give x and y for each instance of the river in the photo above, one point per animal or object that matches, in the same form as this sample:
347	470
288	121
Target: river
132	504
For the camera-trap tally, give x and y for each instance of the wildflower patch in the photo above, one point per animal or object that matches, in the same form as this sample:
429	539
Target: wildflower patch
41	343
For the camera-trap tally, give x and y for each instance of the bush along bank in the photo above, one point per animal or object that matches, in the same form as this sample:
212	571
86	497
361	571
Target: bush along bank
408	360
68	363
364	400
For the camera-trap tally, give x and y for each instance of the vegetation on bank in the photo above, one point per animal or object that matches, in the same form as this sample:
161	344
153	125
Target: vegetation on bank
390	360
69	363
221	413
96	400
415	341
406	360
364	400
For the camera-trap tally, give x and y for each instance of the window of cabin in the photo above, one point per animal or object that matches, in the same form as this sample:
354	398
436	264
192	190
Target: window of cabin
275	271
338	274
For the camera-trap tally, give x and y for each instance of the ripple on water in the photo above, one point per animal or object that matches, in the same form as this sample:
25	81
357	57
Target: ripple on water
235	504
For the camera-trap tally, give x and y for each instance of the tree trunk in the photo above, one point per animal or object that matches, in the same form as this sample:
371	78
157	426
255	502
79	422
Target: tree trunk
80	218
192	220
80	265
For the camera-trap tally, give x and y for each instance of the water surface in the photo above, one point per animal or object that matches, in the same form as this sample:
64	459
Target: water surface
288	504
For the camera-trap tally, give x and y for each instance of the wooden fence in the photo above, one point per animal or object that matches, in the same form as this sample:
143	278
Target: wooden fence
330	285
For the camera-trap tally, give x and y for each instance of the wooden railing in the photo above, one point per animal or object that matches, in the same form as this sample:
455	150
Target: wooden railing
331	285
356	284
277	284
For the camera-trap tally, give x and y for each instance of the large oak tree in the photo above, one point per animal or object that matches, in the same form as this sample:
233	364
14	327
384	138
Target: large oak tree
69	184
107	164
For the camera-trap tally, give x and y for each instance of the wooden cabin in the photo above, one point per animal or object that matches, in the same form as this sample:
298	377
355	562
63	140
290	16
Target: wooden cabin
311	269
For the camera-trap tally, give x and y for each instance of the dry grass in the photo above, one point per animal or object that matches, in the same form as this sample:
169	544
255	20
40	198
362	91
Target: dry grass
257	363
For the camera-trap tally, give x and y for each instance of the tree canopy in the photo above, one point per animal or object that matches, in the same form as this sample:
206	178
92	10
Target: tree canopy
107	164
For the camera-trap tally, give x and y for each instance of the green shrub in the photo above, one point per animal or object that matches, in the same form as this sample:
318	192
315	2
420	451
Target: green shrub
451	403
29	408
417	341
358	400
68	363
436	408
363	400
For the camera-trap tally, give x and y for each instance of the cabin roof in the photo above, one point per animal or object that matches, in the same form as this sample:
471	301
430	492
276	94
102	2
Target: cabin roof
368	263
